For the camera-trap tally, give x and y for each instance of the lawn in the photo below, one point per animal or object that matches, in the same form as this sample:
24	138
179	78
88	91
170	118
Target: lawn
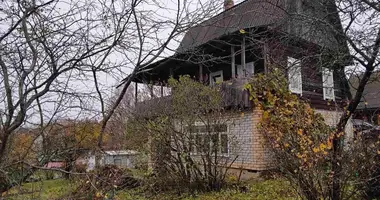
48	189
260	190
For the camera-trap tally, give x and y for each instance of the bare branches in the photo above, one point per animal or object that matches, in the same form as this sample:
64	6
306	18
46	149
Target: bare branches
61	59
28	12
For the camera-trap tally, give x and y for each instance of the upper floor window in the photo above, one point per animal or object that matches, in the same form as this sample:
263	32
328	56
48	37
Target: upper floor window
328	83
216	77
249	70
294	75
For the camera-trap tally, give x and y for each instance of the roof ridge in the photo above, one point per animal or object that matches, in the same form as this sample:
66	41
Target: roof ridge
229	9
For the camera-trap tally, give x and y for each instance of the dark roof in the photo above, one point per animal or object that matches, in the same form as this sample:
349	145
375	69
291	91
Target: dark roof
254	16
371	94
248	14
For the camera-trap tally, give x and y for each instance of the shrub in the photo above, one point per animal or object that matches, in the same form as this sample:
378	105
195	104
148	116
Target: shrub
302	144
186	138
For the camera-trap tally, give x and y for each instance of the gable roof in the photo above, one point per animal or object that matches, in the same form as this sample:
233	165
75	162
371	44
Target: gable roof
278	15
248	14
371	94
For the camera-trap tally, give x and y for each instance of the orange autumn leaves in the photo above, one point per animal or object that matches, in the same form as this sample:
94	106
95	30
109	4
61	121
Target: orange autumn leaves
291	127
22	148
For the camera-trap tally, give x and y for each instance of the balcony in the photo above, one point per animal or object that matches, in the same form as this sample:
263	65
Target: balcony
233	97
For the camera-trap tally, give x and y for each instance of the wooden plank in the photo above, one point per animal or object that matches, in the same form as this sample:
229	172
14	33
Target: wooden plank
233	69
151	91
265	57
243	56
162	89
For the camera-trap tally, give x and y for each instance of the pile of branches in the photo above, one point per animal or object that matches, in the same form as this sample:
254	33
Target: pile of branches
103	183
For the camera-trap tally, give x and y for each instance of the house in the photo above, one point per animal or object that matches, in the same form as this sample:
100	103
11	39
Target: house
55	164
369	107
254	37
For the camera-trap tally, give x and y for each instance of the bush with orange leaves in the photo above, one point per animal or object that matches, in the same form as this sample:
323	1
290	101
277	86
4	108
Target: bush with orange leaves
301	141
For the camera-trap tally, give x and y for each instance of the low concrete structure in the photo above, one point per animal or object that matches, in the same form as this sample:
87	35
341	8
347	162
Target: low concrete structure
120	158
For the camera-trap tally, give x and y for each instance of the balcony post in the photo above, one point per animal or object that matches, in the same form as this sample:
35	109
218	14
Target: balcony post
243	56
162	89
233	62
265	57
151	91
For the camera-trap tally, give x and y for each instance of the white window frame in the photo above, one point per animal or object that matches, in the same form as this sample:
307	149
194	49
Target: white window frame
194	138
294	75
213	74
328	84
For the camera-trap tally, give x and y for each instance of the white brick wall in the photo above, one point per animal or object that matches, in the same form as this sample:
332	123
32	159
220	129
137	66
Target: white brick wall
246	142
332	119
241	137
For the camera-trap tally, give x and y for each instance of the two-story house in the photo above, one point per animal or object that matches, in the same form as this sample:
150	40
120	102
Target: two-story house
300	37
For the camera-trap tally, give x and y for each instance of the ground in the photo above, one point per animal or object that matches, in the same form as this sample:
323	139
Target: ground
260	190
48	189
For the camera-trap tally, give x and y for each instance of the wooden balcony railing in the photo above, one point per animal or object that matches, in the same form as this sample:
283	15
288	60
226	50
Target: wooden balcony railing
232	91
234	95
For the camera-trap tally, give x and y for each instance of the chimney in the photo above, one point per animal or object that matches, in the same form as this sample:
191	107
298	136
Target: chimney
228	4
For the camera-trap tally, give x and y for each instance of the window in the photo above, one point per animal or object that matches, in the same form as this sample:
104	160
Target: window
117	162
203	139
328	83
294	75
249	70
224	143
216	77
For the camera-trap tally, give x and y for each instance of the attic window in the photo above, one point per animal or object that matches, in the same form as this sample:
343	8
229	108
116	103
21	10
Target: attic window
328	83
294	75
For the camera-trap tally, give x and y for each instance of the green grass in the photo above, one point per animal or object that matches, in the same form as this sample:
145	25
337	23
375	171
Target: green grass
258	190
48	189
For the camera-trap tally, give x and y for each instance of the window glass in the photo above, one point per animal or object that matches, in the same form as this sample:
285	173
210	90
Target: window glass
220	128
203	139
328	83
294	75
198	142
224	143
117	162
215	142
191	143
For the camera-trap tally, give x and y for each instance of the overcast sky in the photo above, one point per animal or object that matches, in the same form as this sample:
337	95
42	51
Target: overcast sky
109	82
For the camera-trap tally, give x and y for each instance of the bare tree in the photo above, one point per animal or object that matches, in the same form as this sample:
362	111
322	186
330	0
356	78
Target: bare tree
354	23
57	57
190	146
360	25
